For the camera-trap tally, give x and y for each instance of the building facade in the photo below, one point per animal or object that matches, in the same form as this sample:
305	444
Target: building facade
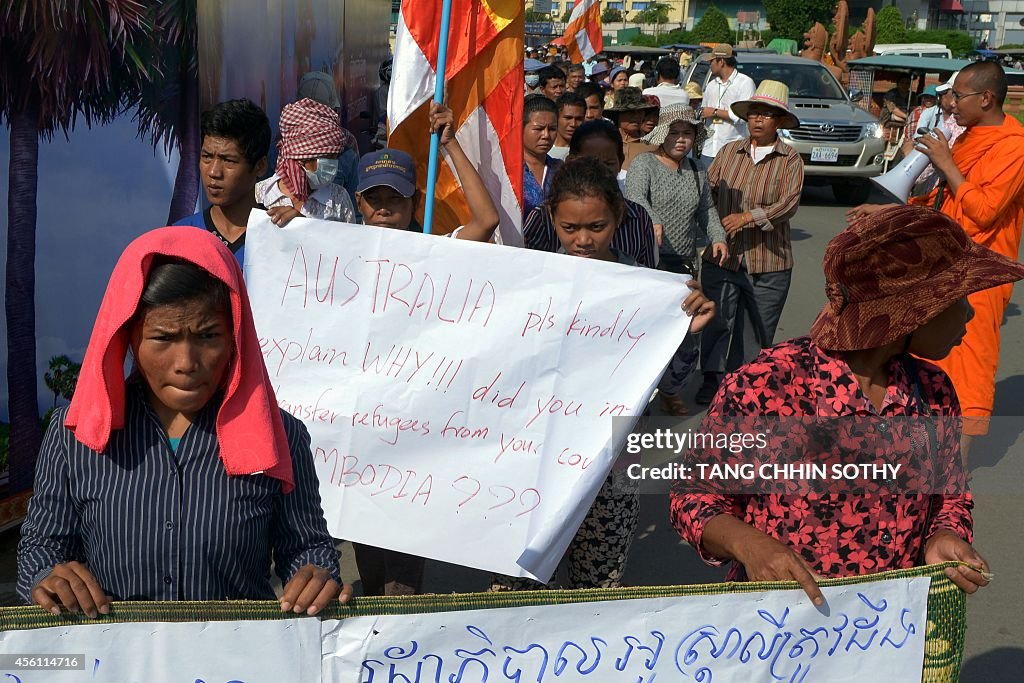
677	11
998	22
992	22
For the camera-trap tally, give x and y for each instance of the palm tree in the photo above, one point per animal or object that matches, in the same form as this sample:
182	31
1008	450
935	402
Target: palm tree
168	110
58	60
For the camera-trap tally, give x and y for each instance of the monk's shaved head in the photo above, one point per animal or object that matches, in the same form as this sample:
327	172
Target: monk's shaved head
986	76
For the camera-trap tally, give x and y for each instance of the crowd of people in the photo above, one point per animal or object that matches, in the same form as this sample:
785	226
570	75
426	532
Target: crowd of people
183	480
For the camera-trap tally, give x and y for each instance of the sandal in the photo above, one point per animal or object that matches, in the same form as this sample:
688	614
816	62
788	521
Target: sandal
673	404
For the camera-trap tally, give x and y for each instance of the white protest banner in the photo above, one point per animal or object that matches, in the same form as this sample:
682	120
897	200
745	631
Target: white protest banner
459	396
873	631
866	632
153	652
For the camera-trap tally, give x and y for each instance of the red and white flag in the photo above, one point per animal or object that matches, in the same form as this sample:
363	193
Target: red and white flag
484	83
583	36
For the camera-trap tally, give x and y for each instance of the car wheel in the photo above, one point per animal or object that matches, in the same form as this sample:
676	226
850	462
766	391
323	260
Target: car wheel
851	192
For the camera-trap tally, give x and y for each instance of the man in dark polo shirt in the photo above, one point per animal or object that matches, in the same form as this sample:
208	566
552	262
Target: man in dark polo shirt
236	141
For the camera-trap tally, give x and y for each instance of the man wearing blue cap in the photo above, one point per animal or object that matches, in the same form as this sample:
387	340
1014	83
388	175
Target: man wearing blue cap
387	197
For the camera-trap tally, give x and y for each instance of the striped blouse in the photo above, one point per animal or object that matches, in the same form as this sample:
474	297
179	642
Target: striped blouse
634	236
157	524
770	191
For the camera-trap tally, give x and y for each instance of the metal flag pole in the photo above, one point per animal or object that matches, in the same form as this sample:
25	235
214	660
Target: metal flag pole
435	137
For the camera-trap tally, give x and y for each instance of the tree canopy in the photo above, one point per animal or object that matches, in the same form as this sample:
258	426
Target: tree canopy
610	15
791	18
958	42
656	13
890	26
713	27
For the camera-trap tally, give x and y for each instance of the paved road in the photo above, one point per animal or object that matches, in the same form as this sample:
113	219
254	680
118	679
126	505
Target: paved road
995	618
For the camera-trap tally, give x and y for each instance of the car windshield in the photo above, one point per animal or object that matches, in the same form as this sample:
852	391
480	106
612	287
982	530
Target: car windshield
812	81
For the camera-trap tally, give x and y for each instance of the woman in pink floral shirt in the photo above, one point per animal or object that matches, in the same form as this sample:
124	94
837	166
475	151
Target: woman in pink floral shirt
897	284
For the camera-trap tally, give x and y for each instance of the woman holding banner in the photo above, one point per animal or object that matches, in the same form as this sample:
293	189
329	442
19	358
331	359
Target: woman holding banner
587	208
860	389
185	480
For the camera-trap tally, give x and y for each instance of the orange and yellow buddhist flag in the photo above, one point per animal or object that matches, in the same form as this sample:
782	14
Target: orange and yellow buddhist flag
484	83
583	36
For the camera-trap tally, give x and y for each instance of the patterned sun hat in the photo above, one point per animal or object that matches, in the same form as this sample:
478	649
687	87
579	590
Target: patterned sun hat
631	99
669	115
889	273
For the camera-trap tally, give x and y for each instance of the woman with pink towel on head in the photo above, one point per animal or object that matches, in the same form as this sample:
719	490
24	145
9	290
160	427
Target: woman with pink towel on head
183	481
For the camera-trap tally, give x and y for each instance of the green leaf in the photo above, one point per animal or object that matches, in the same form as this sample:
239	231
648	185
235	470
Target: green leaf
889	26
713	27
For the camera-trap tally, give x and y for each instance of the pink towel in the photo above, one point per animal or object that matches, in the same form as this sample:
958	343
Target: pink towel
249	427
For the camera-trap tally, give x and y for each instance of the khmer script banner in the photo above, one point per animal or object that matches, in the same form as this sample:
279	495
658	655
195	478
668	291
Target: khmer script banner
871	631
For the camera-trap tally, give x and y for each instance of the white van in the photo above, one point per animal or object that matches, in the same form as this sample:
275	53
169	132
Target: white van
915	50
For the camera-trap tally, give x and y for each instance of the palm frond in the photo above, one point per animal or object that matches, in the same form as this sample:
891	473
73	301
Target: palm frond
75	57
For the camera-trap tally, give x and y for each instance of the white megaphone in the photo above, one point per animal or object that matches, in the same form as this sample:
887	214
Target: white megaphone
899	182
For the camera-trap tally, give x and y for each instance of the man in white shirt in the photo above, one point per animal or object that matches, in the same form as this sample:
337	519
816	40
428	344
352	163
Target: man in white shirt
726	86
668	91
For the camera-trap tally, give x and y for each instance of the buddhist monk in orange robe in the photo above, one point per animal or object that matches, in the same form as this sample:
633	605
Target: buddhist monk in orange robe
984	192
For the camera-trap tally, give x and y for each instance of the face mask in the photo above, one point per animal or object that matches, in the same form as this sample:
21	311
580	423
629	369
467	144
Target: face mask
532	80
325	171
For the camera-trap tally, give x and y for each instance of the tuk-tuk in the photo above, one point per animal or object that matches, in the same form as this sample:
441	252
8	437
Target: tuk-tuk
888	68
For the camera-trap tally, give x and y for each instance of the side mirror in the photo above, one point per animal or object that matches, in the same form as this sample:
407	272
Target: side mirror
856	95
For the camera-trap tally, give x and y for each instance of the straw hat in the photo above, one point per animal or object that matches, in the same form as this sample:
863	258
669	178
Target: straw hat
630	99
694	91
771	94
888	274
636	80
669	115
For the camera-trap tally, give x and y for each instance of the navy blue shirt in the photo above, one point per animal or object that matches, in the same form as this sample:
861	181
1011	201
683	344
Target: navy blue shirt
154	523
204	220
